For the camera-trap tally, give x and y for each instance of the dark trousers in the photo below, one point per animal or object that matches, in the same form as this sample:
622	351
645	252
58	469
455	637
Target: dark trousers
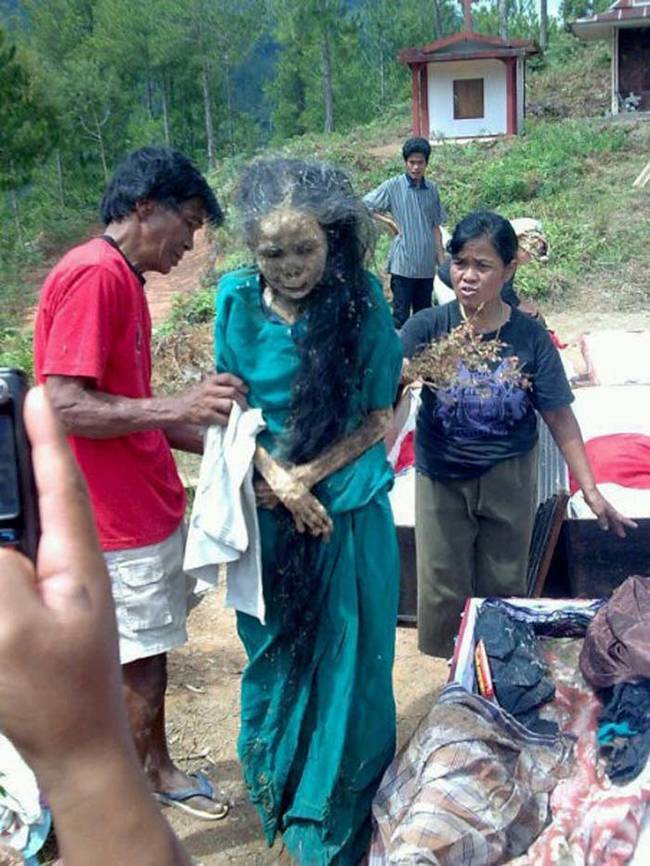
409	294
472	538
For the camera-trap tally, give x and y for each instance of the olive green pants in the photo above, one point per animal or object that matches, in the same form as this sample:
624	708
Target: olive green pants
471	539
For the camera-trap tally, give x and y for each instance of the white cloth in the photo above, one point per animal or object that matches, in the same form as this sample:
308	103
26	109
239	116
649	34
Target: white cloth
631	501
223	526
19	804
617	357
606	410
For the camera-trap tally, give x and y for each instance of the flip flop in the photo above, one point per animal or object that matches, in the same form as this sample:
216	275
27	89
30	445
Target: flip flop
203	788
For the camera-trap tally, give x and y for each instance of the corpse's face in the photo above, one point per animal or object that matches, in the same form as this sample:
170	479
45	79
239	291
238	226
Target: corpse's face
478	274
291	252
167	234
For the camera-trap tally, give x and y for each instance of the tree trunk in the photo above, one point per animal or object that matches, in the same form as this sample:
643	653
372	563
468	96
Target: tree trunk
59	177
207	110
231	126
165	110
150	97
328	88
503	19
543	24
102	150
13	198
437	26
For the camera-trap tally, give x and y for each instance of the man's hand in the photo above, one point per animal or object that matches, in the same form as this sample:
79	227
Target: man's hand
387	221
211	401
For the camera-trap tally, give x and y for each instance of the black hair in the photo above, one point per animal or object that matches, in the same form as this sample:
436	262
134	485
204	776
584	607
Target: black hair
335	307
161	175
328	377
485	224
416	145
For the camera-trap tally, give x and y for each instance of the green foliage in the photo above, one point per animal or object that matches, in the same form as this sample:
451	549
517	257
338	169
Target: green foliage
16	349
102	77
364	39
572	9
28	129
536	166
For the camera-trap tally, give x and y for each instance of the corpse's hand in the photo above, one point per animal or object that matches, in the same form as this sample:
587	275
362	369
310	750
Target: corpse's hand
266	498
608	516
307	512
210	402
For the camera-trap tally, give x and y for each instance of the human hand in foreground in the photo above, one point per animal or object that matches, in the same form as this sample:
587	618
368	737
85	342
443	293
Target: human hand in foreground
608	517
210	402
60	681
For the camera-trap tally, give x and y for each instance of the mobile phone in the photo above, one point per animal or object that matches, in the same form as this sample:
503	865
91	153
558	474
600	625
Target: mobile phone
19	523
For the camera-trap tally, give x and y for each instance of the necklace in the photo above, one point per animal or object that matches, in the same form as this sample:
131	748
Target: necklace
505	321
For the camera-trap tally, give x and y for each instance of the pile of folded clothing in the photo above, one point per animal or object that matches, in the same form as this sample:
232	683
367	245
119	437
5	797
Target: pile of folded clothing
615	660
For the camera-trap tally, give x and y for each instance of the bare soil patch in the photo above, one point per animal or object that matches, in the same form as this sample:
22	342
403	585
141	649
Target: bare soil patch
184	278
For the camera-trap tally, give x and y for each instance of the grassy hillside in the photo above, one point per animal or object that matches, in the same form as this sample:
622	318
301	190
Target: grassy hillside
575	175
570	170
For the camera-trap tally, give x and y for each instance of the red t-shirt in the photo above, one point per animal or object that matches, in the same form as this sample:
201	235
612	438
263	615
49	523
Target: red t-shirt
93	321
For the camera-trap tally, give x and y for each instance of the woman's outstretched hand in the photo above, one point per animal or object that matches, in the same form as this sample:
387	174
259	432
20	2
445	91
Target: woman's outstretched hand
608	517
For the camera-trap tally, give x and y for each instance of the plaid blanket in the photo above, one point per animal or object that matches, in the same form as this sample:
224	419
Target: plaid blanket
471	787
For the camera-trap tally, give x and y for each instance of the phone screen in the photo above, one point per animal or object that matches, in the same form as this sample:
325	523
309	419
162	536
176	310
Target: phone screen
9	495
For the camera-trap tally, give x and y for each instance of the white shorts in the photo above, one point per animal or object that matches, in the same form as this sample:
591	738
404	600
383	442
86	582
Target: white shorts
150	591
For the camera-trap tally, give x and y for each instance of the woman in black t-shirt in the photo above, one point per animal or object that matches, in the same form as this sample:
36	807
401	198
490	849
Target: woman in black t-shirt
476	437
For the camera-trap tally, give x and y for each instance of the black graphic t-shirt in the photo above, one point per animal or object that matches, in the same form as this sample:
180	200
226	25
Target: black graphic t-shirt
483	418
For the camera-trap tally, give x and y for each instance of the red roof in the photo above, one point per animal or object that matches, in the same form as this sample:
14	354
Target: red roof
622	13
467	46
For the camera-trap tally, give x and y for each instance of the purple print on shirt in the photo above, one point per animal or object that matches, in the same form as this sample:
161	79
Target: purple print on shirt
482	403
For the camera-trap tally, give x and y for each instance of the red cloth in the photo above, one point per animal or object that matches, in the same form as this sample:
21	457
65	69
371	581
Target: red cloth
622	458
93	321
406	456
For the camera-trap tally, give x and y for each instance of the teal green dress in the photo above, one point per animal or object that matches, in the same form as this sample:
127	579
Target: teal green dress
318	730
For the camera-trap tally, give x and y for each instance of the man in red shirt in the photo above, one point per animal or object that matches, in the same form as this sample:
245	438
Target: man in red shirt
92	348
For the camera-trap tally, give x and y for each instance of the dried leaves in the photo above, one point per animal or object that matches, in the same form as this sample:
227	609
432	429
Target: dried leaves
438	365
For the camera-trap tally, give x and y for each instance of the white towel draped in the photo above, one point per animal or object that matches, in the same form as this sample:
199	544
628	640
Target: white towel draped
223	526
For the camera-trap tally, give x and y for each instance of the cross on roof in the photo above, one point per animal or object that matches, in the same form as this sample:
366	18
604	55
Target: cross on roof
467	15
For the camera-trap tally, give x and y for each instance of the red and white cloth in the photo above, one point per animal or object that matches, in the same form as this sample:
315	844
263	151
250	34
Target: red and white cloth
615	425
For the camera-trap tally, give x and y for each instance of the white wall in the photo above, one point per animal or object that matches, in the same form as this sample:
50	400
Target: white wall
441	98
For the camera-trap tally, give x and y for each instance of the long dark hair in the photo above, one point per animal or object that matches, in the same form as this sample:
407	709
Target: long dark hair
329	366
329	372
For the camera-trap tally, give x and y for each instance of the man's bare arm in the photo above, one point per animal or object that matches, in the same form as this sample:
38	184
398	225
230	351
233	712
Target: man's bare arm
95	414
437	241
185	437
387	221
